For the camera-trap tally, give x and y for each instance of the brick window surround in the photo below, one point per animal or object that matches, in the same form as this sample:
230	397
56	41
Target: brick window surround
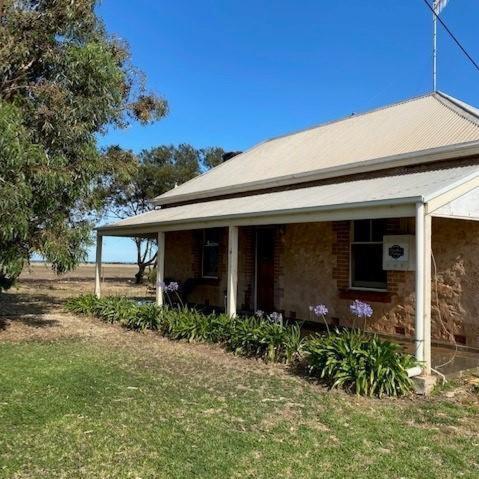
341	271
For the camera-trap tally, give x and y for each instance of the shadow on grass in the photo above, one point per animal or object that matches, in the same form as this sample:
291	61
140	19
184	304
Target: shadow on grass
27	309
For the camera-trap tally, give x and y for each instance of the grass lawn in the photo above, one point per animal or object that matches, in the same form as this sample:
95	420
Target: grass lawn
84	399
76	408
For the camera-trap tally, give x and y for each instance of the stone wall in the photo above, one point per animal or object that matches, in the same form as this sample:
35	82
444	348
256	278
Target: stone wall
312	266
183	257
455	308
315	269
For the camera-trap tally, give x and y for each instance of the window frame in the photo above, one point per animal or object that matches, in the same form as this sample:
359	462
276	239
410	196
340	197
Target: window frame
353	242
204	245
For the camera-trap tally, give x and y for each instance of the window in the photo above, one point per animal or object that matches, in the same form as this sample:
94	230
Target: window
367	255
210	253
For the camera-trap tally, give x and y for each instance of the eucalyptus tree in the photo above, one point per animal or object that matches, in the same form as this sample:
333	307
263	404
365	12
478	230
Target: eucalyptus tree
64	80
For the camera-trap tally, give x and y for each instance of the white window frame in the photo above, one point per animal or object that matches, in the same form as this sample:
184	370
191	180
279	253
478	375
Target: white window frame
351	243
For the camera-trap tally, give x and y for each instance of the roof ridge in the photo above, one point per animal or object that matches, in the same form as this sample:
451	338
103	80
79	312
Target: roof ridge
459	107
353	115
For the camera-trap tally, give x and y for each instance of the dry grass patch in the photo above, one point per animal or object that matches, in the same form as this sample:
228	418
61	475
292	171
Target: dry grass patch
80	398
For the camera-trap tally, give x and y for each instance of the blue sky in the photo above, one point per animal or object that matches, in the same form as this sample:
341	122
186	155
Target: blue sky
236	72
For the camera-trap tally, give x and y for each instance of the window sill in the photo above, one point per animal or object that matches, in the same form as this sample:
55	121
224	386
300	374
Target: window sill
374	296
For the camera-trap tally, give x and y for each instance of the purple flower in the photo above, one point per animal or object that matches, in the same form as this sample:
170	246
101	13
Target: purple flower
361	309
171	287
320	310
259	313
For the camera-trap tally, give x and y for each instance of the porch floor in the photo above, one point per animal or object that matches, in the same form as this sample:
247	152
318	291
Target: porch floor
448	361
445	358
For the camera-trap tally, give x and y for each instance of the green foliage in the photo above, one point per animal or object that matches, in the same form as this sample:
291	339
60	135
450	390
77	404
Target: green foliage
84	304
147	316
247	336
351	360
362	364
265	339
63	81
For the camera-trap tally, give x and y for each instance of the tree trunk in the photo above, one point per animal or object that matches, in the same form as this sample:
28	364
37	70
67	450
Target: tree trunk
143	258
140	275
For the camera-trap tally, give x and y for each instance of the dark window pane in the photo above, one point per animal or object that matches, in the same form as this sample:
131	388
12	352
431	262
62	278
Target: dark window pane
265	249
362	230
367	266
211	236
210	261
379	229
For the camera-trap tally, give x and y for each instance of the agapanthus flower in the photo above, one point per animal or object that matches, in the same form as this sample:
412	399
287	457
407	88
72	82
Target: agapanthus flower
259	313
171	287
361	309
320	310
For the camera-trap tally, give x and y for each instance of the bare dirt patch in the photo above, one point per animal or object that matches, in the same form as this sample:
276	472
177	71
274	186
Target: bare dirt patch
34	308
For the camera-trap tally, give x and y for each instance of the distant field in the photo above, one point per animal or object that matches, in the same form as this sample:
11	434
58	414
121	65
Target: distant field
42	271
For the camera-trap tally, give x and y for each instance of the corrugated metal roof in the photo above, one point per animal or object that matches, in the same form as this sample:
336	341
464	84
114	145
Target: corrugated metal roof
417	125
405	188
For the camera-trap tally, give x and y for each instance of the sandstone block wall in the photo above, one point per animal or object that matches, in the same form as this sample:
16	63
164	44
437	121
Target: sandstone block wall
312	266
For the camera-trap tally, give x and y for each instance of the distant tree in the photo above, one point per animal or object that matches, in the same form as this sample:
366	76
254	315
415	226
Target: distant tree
157	170
211	157
63	81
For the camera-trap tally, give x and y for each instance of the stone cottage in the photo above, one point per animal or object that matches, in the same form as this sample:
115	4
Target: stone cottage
380	206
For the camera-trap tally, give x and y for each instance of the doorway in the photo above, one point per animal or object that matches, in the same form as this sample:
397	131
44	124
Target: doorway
265	269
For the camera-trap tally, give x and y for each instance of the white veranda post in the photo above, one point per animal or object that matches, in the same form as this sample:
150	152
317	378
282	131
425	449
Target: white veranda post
423	288
99	244
232	270
160	268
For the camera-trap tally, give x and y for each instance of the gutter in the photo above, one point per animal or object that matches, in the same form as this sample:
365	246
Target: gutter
228	218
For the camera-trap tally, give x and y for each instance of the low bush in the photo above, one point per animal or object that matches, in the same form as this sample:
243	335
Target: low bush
266	339
357	362
148	316
84	304
259	337
360	363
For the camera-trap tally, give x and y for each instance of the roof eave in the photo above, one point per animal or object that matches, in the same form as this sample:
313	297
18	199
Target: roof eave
271	216
459	150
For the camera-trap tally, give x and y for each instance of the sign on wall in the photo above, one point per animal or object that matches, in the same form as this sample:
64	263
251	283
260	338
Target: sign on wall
399	253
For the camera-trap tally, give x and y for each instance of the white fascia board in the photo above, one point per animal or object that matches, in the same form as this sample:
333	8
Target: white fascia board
451	192
457	151
398	208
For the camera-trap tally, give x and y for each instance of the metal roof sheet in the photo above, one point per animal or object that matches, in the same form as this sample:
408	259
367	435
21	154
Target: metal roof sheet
386	189
417	125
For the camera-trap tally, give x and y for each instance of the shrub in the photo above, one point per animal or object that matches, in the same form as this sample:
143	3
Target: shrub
116	309
112	309
263	338
185	323
83	304
148	316
359	363
349	359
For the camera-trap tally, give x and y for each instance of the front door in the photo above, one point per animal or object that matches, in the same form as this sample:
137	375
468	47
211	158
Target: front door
265	269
